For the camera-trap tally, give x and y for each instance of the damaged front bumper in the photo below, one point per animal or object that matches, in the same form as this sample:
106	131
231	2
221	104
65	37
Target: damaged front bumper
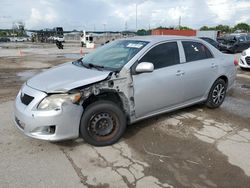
52	125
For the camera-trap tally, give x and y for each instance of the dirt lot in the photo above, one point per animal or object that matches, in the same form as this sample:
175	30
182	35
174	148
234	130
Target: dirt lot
194	147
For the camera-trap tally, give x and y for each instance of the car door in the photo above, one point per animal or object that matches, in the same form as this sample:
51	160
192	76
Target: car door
199	71
158	89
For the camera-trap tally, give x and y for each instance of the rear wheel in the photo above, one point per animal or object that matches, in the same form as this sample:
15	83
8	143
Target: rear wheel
102	123
217	94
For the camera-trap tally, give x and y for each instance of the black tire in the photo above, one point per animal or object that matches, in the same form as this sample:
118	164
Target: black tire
216	94
102	123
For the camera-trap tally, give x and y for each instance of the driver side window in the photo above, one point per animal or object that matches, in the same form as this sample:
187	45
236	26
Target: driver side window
163	55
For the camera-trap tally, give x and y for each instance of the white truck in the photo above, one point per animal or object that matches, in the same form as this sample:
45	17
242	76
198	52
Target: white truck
56	38
209	34
86	39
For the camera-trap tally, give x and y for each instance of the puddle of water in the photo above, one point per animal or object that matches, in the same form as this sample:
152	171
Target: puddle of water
229	143
26	74
245	86
237	106
70	56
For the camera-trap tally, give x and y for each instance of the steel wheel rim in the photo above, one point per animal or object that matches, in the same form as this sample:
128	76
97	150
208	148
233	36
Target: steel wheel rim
218	94
102	125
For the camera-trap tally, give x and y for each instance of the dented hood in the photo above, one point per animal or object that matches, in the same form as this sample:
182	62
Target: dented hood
66	77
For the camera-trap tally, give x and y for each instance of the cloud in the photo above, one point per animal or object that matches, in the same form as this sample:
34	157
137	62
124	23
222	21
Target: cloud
243	18
89	15
229	11
222	9
38	17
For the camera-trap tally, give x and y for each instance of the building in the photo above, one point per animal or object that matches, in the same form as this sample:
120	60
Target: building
173	32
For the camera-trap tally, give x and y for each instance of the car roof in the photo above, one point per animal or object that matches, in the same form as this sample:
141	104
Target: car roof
238	34
159	38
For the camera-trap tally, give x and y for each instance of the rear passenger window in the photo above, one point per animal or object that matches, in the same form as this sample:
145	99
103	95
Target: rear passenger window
195	51
163	55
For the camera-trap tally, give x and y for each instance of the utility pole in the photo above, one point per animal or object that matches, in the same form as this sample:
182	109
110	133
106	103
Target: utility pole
180	23
104	27
13	28
126	26
136	17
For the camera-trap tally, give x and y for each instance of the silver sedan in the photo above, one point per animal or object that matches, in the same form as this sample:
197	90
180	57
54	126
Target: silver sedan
120	83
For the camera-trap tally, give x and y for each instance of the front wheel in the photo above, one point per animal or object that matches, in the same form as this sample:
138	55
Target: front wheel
217	94
102	123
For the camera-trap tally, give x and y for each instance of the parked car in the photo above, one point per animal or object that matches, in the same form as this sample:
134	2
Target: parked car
4	39
120	83
211	41
19	39
56	38
234	43
245	59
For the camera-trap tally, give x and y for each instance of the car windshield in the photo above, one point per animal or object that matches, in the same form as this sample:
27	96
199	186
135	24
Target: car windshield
114	55
241	38
229	40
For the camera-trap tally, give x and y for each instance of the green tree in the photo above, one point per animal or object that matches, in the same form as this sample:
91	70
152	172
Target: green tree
142	32
3	33
223	28
204	28
242	26
185	28
161	27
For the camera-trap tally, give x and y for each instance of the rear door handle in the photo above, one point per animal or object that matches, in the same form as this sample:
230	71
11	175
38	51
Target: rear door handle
180	73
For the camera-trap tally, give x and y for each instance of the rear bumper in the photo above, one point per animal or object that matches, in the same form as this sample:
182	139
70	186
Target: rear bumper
53	125
232	78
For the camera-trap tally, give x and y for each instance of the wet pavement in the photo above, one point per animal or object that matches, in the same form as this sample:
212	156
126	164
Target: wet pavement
193	147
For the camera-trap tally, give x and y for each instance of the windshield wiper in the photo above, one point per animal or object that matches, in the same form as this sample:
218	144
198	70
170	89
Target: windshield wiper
89	65
98	67
80	62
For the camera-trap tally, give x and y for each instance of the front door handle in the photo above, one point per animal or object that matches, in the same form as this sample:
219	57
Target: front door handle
180	73
213	65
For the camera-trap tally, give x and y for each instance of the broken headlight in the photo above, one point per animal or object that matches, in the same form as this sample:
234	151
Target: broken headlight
56	101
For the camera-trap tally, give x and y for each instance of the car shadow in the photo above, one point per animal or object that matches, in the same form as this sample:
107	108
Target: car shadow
70	143
245	69
135	128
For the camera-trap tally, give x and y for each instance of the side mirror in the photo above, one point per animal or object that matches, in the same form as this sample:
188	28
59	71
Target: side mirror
144	67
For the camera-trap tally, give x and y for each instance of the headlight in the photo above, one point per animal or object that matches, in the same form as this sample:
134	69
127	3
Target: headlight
243	53
57	100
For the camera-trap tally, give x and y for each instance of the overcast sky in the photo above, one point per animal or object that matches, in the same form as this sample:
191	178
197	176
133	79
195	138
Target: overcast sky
113	14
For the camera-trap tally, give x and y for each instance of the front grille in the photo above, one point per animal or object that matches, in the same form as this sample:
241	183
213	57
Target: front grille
26	99
248	60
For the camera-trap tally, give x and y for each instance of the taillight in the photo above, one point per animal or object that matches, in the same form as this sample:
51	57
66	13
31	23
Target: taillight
236	62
